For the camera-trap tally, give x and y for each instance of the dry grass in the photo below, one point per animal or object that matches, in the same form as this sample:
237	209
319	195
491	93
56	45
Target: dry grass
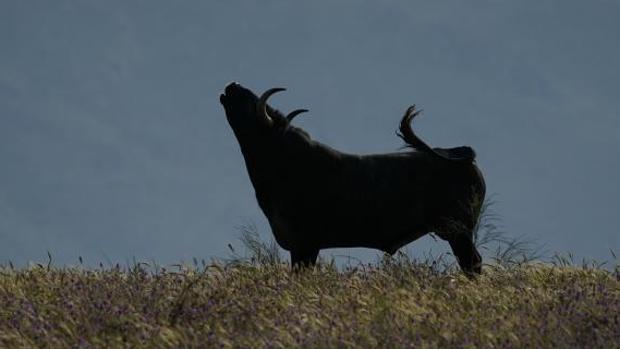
395	303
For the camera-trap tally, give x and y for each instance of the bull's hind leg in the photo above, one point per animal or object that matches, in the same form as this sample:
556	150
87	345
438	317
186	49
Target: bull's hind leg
303	258
466	254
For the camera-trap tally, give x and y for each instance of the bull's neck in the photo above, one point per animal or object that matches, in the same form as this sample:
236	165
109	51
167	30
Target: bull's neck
262	170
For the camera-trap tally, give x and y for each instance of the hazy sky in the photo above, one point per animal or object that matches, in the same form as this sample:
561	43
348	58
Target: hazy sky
113	144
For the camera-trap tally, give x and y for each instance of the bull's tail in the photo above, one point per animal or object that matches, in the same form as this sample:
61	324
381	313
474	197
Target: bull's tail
464	153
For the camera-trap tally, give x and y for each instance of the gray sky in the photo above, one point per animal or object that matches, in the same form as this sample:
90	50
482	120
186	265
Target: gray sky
113	144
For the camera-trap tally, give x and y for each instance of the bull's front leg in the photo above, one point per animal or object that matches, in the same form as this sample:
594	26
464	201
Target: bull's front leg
303	257
466	254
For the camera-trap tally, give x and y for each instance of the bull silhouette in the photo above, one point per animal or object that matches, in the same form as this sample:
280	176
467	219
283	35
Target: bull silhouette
316	197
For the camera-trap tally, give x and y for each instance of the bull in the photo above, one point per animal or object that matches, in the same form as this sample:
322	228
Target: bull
316	197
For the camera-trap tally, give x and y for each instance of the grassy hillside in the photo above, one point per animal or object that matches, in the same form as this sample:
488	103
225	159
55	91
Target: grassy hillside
395	303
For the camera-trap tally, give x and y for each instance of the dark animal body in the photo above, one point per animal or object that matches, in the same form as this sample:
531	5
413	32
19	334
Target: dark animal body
315	197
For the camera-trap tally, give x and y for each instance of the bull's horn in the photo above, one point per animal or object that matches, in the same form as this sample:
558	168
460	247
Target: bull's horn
294	113
261	106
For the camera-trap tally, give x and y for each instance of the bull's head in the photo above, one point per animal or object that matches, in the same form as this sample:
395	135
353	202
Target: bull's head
262	132
250	116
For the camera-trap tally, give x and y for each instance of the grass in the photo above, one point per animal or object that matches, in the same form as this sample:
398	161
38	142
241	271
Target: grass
254	300
396	303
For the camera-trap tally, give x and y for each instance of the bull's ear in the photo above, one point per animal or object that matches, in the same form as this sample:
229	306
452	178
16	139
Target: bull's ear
261	105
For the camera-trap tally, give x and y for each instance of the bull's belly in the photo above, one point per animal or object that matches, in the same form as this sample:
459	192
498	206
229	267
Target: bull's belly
341	223
377	233
381	240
